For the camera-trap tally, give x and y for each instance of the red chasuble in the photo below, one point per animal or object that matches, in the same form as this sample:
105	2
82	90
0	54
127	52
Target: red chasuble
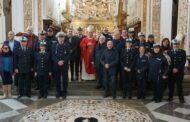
86	51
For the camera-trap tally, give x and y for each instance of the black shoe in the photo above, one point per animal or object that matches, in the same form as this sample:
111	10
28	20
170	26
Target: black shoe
72	79
138	97
77	78
182	101
143	97
98	87
37	88
29	96
129	97
114	97
40	96
45	97
20	96
170	99
124	96
153	99
158	101
57	96
106	95
64	97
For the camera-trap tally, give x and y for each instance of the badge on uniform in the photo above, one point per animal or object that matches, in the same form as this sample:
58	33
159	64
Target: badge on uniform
158	59
143	60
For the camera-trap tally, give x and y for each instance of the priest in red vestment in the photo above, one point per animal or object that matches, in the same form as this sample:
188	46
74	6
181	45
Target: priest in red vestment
87	45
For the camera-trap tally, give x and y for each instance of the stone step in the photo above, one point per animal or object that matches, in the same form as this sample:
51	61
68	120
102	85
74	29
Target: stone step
88	89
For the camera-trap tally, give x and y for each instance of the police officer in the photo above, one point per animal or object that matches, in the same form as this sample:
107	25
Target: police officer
42	36
142	41
141	68
61	55
127	65
50	41
109	60
131	34
42	67
23	63
50	38
36	49
158	72
178	59
95	59
74	59
151	41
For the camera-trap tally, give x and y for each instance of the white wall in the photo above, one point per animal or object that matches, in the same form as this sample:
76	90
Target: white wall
166	19
17	16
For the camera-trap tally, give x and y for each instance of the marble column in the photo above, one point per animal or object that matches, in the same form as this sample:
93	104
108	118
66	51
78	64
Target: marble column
35	16
188	32
149	17
2	23
183	22
156	5
166	19
17	16
27	13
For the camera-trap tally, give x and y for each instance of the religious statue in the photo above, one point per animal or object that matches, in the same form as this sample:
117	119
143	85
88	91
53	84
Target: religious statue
95	9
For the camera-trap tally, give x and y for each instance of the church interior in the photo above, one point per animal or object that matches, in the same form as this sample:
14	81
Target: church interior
163	18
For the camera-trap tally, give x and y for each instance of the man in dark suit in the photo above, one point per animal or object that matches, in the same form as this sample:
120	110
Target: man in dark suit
13	44
95	57
80	37
74	59
109	60
32	38
23	65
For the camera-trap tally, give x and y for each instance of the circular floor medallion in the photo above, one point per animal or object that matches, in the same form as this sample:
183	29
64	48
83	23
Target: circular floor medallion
86	111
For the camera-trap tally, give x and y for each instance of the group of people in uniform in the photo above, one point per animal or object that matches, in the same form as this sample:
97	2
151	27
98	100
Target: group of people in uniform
118	61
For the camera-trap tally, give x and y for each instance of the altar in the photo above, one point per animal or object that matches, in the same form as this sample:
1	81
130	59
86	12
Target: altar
98	13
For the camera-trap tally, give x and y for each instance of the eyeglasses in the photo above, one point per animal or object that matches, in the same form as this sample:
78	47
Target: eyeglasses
5	48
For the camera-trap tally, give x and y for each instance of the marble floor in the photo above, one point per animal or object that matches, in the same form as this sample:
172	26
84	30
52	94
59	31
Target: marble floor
12	110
